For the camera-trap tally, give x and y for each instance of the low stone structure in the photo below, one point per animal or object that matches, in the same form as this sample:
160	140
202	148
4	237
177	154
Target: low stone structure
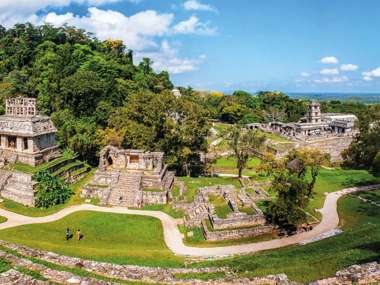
329	132
18	186
230	234
131	178
25	135
235	225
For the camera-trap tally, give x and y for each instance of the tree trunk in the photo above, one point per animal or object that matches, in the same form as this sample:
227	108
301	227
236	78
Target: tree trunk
240	171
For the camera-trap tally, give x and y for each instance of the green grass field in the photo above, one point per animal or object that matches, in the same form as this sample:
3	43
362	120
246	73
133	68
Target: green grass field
331	180
222	209
193	183
107	237
228	165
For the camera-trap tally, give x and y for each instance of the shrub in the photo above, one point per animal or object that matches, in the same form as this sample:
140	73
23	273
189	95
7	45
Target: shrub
50	190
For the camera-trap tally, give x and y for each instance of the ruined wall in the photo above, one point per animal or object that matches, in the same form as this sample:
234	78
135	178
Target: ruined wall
334	146
236	233
154	197
18	186
237	220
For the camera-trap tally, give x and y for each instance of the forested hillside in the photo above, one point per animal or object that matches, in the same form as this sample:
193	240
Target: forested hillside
96	95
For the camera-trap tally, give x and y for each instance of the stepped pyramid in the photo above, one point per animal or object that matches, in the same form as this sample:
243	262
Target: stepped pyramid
130	178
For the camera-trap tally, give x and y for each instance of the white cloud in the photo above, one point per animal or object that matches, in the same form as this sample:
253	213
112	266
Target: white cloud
166	58
329	80
193	26
194	5
329	60
137	31
329	71
369	75
349	67
13	11
305	74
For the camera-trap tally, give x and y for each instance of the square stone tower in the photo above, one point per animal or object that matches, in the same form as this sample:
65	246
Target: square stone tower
314	113
26	136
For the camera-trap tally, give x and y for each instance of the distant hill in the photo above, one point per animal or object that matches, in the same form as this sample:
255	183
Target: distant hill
356	97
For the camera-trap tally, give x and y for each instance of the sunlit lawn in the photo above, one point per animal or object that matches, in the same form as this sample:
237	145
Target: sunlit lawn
108	237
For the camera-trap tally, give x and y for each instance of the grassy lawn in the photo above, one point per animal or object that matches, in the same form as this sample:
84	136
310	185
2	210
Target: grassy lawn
359	243
222	209
166	209
193	183
39	212
228	165
275	137
331	180
107	237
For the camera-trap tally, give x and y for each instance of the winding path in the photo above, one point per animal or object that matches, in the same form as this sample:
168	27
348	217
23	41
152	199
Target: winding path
173	238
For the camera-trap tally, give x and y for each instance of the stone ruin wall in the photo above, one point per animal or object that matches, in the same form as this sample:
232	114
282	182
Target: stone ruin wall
333	146
17	186
237	220
364	274
155	197
235	233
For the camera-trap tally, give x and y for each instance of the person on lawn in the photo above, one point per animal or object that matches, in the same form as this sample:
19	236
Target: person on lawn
79	235
68	234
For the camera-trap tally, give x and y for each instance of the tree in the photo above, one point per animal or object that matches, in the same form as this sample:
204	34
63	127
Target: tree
162	122
293	188
245	144
287	210
313	160
50	190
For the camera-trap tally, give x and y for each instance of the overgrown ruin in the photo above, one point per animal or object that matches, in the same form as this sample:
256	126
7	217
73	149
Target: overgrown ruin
131	178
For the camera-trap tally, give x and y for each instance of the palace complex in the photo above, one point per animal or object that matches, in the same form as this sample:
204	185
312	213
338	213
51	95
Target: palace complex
329	132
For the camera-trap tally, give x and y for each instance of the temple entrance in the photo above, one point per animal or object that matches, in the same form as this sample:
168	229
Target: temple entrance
12	141
109	160
133	159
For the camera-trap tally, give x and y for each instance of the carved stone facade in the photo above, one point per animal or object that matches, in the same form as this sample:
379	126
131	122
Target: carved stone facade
26	136
131	178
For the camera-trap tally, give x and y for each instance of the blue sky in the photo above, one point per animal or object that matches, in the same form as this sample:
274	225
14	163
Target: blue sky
289	45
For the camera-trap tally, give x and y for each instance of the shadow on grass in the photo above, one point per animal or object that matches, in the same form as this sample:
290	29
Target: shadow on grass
355	182
373	247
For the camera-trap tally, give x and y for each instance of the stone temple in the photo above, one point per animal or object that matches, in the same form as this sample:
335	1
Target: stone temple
26	136
131	178
329	132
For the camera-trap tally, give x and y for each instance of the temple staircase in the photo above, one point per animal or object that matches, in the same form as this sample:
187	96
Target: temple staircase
127	191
